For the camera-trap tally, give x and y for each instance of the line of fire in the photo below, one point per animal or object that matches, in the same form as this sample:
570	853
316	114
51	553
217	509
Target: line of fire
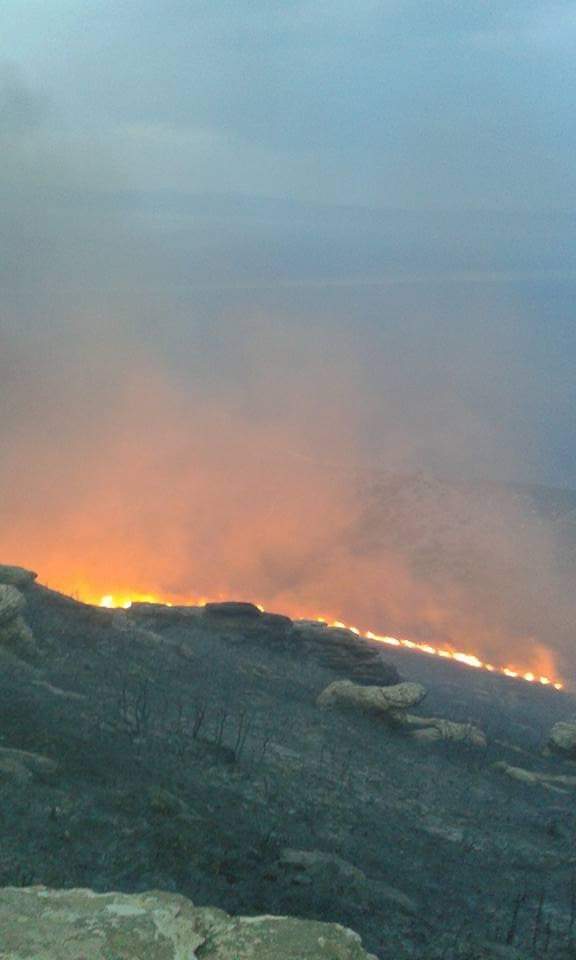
443	651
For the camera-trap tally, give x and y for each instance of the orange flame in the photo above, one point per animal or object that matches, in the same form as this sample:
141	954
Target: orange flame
467	659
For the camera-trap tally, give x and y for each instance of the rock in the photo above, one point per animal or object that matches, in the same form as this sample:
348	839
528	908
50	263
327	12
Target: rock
22	766
557	782
378	700
392	703
562	739
12	603
317	869
16	576
69	924
17	637
446	831
15	634
57	691
303	864
284	938
429	729
320	633
233	608
275	621
161	611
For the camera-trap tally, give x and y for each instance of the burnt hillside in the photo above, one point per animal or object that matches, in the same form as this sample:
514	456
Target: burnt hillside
183	749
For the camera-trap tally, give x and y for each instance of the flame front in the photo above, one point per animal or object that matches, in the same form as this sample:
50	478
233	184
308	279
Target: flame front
113	601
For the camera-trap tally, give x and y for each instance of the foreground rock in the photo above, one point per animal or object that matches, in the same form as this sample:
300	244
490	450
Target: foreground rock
562	739
68	924
375	700
15	634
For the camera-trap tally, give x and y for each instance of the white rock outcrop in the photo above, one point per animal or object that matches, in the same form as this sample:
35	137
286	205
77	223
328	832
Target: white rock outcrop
392	704
378	700
36	922
429	729
562	739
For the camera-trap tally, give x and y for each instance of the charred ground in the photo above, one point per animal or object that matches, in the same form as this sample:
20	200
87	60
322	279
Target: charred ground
192	757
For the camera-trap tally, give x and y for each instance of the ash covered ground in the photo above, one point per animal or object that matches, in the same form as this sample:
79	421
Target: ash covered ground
184	750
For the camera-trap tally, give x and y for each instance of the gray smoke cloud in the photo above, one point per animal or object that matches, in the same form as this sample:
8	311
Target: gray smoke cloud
229	325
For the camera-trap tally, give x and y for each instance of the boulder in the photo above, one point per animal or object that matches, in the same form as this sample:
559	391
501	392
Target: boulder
17	637
377	700
392	703
12	603
430	729
15	634
69	924
562	739
317	869
276	621
16	576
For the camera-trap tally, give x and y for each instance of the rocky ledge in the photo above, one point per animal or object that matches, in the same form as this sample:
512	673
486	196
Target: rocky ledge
36	922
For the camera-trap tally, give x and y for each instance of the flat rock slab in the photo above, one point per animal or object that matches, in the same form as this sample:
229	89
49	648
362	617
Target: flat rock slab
41	924
172	613
233	608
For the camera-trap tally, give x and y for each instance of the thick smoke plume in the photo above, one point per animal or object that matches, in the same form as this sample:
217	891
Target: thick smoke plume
175	425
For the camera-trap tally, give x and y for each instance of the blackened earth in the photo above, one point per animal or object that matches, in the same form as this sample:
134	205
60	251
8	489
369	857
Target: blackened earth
193	758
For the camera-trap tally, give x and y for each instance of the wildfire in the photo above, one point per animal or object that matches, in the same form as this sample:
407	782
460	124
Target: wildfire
468	659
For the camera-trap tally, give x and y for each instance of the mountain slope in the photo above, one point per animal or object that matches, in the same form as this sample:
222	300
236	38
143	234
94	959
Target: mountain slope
184	750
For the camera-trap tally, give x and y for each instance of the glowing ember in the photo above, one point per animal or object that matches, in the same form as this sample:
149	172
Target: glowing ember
468	659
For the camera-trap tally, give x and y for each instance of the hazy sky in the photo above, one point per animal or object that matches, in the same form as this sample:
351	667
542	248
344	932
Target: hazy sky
250	251
395	176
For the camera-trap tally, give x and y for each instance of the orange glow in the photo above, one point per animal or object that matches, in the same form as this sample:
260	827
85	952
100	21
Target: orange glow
116	601
302	502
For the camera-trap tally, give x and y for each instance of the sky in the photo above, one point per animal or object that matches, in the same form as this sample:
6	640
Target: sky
340	235
401	168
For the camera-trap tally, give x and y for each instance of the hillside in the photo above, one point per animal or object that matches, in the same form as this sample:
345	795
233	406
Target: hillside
183	750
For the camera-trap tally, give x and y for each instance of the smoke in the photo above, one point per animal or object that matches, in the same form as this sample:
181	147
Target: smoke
202	398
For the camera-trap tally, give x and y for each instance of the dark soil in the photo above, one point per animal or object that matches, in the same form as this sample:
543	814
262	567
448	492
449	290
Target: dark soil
191	755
